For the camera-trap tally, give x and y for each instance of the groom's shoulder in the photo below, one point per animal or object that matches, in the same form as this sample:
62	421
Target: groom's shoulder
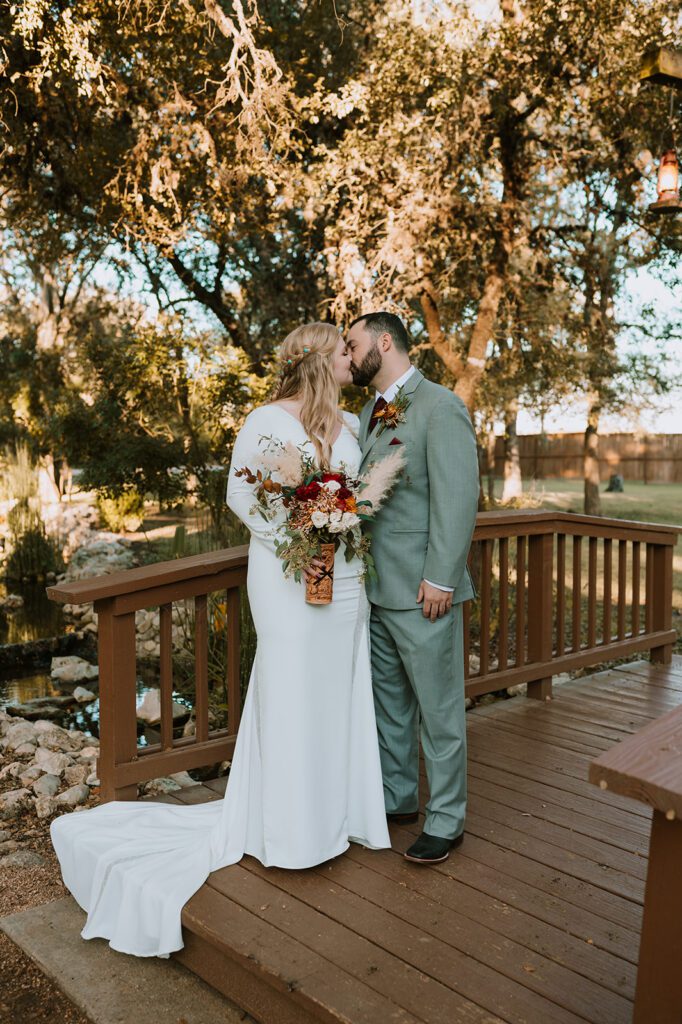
441	405
437	394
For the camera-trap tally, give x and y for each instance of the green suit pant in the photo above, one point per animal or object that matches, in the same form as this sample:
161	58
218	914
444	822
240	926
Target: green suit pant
418	684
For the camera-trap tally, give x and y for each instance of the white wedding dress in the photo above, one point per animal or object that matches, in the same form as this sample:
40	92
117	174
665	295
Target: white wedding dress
305	778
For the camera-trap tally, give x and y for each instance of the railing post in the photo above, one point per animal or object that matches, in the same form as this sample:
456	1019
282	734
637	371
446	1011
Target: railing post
540	565
661	598
117	698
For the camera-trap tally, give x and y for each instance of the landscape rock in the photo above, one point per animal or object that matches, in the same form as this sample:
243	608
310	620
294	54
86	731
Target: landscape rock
41	707
23	859
55	738
164	785
76	773
45	806
16	734
28	777
26	749
46	785
12	770
8	846
88	753
84	696
14	802
43	726
73	796
80	739
149	710
72	669
51	761
184	779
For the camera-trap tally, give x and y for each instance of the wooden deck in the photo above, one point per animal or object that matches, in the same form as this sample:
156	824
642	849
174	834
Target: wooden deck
535	918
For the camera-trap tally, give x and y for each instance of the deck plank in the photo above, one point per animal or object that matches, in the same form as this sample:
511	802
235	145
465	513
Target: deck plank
618	824
458	952
331	928
553	810
531	968
501	755
535	917
292	968
509	911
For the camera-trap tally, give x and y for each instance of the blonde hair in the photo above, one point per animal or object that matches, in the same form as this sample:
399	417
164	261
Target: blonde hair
307	373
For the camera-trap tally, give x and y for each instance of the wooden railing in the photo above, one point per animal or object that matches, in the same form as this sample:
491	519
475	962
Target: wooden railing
530	582
559	591
122	763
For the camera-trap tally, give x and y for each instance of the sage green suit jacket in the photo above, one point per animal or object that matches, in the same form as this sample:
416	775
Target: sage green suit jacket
424	529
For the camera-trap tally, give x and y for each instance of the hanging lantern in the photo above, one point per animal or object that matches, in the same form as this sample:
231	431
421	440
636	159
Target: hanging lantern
663	65
668	186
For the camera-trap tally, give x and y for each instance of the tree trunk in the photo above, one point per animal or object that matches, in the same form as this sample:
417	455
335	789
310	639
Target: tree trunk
513	484
591	459
486	319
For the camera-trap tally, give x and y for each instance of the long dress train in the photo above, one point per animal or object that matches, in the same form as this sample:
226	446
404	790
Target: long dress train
305	778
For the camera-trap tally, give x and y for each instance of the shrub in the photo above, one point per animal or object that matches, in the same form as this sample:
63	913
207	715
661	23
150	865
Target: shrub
32	553
122	514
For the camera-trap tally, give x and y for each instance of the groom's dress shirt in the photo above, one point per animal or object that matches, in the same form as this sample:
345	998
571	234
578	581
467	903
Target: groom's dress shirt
388	395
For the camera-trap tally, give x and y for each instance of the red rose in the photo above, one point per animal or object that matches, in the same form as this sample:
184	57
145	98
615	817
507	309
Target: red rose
343	493
339	477
309	492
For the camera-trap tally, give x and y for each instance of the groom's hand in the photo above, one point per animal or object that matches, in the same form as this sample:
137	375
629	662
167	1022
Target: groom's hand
436	602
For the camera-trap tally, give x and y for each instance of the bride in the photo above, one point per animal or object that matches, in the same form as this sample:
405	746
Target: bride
305	779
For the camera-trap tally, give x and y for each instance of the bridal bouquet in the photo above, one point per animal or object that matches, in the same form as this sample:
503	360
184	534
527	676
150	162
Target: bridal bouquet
323	510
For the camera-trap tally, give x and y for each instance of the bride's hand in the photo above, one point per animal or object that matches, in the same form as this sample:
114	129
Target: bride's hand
311	573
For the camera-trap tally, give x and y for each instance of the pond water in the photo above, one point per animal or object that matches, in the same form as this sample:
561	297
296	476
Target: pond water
39	617
84	717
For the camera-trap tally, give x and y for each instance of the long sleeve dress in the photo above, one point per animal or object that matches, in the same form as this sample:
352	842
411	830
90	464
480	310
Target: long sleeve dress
305	779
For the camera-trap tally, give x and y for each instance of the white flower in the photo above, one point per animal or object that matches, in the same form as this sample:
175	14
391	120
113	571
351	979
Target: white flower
332	485
349	520
335	516
336	527
319	519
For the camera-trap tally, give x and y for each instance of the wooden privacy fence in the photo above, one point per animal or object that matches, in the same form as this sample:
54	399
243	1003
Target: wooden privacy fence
556	591
650	458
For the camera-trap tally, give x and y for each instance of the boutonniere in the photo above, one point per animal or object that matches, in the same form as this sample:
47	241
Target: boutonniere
393	412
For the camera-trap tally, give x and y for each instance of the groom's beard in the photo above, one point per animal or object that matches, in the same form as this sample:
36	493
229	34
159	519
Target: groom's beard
365	373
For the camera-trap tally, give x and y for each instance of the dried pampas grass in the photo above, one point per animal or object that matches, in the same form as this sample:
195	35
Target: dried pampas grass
285	464
380	478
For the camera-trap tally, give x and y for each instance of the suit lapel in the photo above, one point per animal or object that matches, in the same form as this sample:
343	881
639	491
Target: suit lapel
368	442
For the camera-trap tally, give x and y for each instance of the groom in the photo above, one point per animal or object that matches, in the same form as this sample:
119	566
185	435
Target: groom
420	543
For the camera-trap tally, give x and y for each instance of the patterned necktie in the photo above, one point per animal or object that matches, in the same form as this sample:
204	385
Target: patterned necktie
380	404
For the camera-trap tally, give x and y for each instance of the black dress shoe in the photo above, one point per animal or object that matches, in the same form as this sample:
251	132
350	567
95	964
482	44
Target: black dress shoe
431	849
403	819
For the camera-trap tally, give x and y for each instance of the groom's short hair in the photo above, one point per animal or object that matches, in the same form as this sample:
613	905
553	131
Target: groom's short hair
386	323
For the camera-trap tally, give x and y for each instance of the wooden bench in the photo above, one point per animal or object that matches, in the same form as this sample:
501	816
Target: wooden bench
647	766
